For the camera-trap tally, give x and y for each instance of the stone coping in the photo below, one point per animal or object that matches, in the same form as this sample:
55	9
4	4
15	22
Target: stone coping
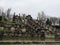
26	42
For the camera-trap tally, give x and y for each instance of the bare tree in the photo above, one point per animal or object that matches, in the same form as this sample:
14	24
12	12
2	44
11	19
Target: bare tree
39	16
42	17
8	13
14	17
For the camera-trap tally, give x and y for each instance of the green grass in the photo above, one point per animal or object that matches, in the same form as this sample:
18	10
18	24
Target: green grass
20	38
5	30
7	22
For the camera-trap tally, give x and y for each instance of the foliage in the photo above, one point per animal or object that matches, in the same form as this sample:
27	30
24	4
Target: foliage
48	22
0	18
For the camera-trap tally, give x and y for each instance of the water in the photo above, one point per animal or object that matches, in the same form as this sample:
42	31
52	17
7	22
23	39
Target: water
33	44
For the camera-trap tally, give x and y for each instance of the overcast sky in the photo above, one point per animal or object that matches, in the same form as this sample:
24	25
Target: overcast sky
50	7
